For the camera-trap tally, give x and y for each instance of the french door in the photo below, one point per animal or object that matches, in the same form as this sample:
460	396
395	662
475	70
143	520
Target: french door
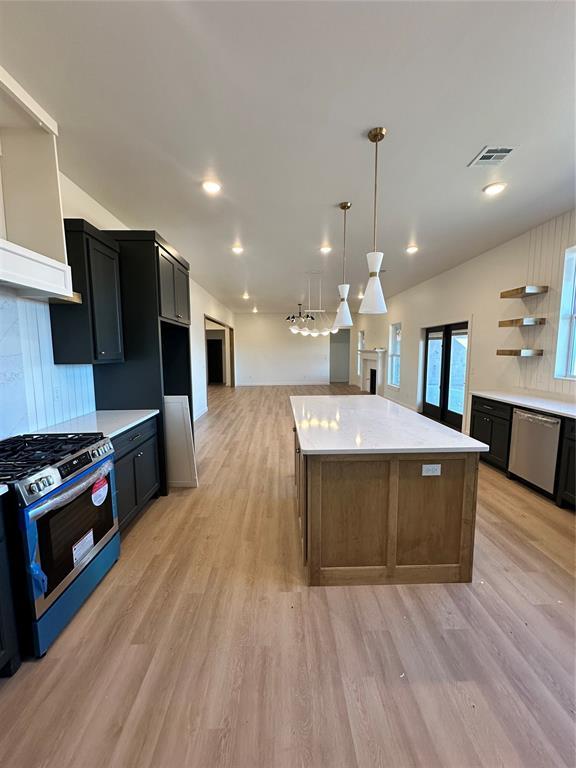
445	362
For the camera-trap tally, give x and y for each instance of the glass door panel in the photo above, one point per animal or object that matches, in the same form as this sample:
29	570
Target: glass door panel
457	376
445	373
434	354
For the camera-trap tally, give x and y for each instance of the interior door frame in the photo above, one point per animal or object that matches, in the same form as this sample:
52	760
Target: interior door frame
441	412
231	351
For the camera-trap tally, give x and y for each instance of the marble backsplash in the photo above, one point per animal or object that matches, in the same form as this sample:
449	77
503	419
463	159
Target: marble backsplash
35	393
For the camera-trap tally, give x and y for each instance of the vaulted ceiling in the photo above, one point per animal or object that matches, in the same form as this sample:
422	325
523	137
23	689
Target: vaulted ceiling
274	99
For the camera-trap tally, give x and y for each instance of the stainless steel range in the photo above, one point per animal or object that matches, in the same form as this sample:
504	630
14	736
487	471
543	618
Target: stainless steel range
62	527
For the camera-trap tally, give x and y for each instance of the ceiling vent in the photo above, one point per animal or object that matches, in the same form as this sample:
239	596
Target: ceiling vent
491	155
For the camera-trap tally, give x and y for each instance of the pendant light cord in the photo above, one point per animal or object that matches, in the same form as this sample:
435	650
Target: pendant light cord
344	250
375	189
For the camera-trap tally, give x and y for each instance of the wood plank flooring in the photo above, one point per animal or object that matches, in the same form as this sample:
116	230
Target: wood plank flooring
203	649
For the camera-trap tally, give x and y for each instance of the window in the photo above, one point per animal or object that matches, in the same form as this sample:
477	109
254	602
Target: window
566	346
394	355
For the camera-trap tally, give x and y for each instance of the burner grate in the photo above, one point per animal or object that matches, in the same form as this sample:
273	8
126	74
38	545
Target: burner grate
26	454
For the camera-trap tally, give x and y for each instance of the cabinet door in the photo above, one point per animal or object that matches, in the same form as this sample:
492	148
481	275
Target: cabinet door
9	660
500	441
105	301
182	293
481	428
167	285
567	480
125	487
146	469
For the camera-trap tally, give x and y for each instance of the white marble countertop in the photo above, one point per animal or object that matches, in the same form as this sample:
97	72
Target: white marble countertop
110	423
371	424
3	489
529	400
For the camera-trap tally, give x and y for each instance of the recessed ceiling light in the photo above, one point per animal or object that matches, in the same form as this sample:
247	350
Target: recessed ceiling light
360	294
326	249
211	187
494	189
245	295
255	309
412	249
237	249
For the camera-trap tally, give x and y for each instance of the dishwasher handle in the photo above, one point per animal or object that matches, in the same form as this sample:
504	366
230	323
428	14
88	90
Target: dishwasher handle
536	418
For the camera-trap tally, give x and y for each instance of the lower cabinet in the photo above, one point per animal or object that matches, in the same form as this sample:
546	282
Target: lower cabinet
9	656
566	493
491	424
137	472
301	497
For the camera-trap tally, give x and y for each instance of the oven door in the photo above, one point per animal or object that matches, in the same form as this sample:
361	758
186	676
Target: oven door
66	530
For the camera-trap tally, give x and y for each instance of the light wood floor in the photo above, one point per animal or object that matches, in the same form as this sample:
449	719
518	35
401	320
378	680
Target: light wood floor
203	649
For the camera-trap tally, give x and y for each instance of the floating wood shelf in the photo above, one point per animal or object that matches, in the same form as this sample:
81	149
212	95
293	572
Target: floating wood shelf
520	352
524	292
76	298
522	322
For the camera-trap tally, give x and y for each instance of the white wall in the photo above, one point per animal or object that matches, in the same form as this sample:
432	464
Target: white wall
267	353
77	204
471	292
203	303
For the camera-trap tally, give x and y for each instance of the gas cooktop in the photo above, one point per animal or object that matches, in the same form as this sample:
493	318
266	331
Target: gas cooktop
24	455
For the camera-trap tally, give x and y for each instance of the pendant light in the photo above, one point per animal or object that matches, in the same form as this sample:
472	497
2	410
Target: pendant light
343	316
373	302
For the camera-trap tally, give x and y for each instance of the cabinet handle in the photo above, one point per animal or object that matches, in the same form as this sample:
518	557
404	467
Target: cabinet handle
135	437
178	315
139	454
102	353
297	450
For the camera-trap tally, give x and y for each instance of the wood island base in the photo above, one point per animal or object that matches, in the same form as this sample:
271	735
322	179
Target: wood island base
382	519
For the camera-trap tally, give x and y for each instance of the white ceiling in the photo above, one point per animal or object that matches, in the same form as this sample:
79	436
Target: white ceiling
274	99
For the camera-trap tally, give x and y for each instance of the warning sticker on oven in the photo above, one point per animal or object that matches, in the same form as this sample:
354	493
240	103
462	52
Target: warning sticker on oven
83	546
99	491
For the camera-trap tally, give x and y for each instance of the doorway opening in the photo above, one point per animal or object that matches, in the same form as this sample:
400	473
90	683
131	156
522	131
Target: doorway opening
340	356
445	363
219	353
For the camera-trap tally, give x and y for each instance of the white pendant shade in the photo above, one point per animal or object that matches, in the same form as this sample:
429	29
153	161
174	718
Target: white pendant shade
343	316
373	302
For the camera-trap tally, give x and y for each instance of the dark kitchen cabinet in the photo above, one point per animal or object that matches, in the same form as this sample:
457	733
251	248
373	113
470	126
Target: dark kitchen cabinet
182	292
90	332
154	291
566	492
174	288
491	423
136	469
9	655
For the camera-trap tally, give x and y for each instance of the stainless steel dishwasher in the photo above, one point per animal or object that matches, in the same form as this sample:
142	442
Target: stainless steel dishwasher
534	448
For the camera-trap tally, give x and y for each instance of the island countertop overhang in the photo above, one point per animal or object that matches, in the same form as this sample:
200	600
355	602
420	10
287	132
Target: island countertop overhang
370	424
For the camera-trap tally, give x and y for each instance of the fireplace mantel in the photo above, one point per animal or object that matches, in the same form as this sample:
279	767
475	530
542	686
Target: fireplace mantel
371	359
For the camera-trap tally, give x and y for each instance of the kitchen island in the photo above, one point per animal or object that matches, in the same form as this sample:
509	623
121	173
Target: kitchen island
385	495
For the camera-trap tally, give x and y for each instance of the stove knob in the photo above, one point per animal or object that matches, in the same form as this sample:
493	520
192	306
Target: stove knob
33	488
50	480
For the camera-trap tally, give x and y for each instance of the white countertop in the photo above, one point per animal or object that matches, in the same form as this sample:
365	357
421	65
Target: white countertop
527	400
371	424
110	423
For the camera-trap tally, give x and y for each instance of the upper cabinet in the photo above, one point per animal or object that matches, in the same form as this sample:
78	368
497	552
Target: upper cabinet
91	331
172	271
174	287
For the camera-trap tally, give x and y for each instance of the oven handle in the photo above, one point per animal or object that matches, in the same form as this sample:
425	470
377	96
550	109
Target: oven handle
71	493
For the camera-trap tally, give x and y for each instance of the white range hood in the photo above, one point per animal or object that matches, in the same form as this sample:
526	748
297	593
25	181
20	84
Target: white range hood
32	274
32	243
